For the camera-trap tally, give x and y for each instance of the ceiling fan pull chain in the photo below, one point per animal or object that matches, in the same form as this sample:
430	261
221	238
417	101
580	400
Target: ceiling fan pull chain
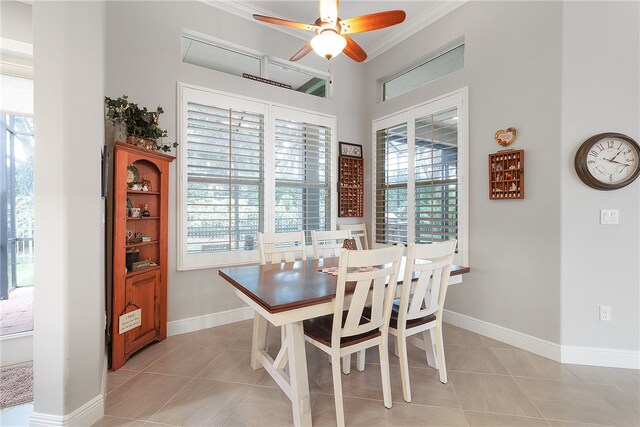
330	74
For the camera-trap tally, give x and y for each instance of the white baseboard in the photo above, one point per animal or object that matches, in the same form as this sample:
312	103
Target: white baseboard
562	353
595	356
16	348
192	324
86	415
521	340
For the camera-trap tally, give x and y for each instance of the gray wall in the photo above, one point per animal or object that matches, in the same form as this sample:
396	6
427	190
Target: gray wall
15	21
69	298
600	93
144	62
513	72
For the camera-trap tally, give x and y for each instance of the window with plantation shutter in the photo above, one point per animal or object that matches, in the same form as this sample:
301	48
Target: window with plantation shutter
248	166
302	173
421	192
225	175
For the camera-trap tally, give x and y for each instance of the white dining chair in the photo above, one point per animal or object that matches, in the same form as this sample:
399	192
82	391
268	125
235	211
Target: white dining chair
277	247
364	274
327	244
419	310
359	232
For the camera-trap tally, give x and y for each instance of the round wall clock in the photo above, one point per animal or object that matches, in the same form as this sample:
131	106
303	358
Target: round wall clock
608	161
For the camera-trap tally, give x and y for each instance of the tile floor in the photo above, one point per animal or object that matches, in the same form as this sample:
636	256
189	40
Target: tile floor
204	378
16	312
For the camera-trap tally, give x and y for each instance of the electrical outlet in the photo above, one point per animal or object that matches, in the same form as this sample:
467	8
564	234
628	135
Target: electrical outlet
609	216
605	313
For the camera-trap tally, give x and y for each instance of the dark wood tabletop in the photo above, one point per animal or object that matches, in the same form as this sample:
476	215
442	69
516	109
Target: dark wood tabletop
288	286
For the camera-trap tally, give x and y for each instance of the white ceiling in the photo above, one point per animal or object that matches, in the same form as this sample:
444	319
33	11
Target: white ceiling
420	13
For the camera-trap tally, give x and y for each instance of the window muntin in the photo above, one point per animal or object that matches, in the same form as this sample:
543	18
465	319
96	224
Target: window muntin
248	166
428	71
421	191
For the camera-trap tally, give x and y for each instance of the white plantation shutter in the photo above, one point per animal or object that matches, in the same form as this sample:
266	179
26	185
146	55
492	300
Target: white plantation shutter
421	189
436	177
302	176
391	188
225	176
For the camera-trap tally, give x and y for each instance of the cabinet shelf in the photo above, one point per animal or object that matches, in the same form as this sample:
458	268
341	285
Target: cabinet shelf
143	218
136	245
146	193
142	270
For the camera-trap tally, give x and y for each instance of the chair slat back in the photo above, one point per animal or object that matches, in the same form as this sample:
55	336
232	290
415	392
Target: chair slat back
432	265
370	271
327	244
274	247
359	231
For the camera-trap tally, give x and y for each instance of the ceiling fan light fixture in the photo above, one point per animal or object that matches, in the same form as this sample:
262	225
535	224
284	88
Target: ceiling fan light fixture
328	43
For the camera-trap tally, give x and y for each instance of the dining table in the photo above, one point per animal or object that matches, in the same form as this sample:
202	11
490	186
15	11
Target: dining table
286	294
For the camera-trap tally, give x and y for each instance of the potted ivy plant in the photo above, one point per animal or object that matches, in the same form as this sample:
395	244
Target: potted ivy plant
140	124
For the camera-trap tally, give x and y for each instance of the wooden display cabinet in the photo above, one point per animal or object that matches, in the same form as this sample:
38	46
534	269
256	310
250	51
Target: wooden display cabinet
146	288
351	187
506	175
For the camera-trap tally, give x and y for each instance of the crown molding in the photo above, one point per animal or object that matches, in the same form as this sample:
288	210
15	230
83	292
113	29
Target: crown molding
246	10
416	24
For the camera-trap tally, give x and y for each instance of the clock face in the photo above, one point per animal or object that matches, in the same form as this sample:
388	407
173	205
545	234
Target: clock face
608	161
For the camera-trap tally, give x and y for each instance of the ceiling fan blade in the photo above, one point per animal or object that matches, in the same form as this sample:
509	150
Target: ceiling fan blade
286	23
375	21
302	52
353	50
329	10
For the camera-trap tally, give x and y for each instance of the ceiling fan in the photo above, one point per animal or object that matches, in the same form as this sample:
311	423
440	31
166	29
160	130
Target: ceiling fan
332	33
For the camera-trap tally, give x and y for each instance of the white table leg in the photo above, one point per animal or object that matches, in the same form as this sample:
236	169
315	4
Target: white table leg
298	375
259	339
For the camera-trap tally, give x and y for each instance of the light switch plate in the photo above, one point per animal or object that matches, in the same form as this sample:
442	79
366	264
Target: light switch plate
609	216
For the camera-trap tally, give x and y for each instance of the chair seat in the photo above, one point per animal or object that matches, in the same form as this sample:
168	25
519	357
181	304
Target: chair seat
395	309
320	329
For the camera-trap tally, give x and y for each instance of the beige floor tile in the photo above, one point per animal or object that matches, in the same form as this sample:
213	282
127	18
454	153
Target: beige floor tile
490	342
246	324
569	402
204	338
365	385
499	420
263	407
458	336
524	364
472	359
625	399
491	393
232	366
242	343
117	378
604	375
229	331
410	415
202	403
185	361
357	412
108	421
147	356
426	388
140	397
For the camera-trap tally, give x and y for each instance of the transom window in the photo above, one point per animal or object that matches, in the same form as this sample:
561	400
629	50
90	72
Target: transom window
249	166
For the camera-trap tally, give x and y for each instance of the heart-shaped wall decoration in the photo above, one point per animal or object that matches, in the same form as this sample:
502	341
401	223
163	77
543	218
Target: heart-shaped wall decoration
506	137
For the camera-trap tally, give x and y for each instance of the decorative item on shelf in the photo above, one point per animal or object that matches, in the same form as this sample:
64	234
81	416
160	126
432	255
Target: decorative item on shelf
506	137
133	175
141	125
129	236
134	237
506	175
145	238
139	265
146	184
129	204
134	212
608	161
350	150
132	255
145	211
